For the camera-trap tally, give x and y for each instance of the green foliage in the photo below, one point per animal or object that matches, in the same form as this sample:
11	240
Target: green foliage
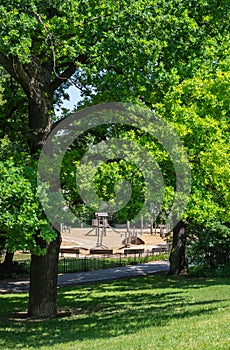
120	182
109	182
170	55
209	244
205	270
21	213
13	111
198	109
127	51
163	43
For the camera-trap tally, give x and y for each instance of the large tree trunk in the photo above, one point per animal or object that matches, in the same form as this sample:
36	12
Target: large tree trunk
44	269
178	262
7	265
40	110
43	282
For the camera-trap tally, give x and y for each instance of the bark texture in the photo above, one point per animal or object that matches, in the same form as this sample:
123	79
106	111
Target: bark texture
6	268
178	262
43	282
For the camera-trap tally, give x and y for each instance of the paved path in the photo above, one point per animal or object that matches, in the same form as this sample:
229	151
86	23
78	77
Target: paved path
71	279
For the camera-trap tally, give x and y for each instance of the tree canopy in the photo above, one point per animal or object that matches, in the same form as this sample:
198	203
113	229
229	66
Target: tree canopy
172	56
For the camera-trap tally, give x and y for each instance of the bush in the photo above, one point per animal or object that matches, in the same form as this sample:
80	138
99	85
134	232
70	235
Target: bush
209	244
208	271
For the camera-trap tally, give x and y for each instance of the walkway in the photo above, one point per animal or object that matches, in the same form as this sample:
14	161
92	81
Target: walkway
72	279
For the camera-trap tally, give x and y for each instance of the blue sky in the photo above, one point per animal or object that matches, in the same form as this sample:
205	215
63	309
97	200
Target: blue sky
74	94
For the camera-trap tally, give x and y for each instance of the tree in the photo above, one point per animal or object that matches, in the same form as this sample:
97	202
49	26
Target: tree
42	46
40	63
126	51
198	108
194	39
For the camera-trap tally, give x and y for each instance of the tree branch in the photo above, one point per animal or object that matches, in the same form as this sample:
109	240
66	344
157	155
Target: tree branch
16	71
7	64
21	76
68	72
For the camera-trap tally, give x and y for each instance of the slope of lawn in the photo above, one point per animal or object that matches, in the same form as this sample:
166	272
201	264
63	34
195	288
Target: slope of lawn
152	312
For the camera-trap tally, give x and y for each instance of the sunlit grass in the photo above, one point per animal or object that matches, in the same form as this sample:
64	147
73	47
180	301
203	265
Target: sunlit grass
152	312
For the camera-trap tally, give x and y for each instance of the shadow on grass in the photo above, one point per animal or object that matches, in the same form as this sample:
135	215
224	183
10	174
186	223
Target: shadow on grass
109	309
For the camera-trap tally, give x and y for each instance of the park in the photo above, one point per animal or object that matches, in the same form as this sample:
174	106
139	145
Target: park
114	174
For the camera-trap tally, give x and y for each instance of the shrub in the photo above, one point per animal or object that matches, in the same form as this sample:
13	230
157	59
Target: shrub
209	244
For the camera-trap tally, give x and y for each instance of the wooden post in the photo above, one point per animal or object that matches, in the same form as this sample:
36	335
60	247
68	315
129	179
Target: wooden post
151	227
135	236
142	224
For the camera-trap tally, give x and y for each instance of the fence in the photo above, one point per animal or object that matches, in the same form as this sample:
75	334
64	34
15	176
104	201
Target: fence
88	263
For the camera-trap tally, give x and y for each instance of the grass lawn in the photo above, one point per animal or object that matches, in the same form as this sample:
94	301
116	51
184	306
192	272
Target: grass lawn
152	312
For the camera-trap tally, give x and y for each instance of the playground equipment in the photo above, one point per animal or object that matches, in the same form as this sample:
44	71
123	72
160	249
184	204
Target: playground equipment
130	233
100	223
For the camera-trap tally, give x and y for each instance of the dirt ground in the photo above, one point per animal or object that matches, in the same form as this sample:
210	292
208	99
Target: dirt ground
113	239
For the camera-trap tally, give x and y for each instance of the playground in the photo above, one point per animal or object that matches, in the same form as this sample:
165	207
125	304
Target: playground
102	237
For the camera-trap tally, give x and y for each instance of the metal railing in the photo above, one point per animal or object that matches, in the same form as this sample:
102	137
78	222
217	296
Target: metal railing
88	263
